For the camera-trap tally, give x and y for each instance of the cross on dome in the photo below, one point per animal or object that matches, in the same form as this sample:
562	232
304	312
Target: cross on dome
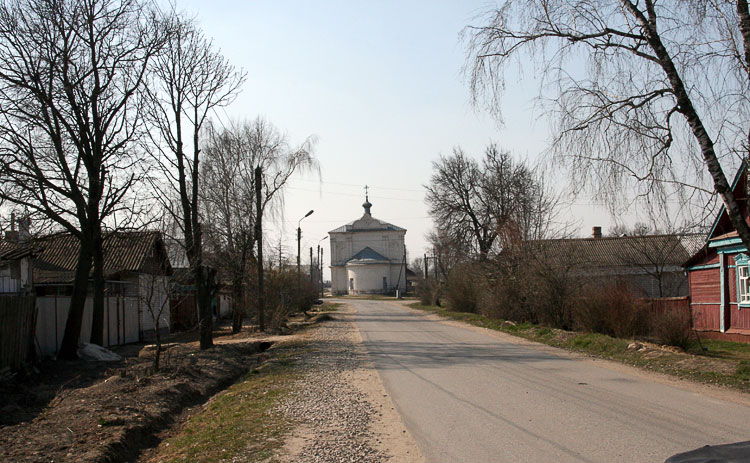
367	205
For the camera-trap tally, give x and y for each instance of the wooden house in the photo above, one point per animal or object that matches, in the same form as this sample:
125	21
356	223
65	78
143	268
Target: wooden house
719	276
136	270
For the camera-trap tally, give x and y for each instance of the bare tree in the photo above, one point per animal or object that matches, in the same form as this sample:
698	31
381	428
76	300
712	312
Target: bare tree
190	80
229	193
154	296
474	204
644	94
70	76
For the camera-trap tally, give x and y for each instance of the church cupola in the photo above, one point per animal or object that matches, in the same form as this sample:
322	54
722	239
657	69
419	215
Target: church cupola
367	205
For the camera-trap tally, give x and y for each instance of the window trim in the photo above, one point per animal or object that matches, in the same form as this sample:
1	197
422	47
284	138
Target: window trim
742	262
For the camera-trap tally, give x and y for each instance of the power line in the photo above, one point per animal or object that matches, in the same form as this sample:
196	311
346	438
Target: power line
360	186
355	195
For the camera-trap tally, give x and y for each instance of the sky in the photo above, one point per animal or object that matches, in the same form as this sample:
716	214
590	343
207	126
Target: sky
380	86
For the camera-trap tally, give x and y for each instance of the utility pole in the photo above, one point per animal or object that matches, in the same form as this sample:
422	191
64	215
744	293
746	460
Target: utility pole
259	239
425	266
312	269
406	278
321	273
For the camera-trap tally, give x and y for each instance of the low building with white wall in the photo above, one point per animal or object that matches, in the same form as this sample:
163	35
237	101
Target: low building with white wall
367	256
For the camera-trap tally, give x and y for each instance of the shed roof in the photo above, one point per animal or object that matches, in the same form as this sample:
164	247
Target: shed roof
621	251
10	250
123	252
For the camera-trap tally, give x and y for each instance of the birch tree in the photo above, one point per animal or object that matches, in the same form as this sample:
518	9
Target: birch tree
646	94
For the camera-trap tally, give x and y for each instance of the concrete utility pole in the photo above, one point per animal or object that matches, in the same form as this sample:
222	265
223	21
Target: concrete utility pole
312	268
299	238
322	289
259	239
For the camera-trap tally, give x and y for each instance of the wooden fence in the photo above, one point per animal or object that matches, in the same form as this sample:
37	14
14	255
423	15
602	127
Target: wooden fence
679	306
17	320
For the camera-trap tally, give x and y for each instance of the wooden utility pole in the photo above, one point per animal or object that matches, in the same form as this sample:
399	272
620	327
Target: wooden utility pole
259	240
312	267
425	266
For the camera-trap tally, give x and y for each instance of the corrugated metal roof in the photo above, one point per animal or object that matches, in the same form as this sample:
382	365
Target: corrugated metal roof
123	252
10	250
368	255
622	251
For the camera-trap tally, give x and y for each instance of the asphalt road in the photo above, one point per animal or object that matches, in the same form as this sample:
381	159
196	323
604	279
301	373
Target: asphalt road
469	395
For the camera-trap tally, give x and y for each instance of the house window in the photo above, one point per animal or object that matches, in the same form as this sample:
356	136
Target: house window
385	282
743	279
742	275
351	283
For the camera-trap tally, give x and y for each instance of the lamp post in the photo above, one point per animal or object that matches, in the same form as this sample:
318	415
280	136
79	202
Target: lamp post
320	263
299	238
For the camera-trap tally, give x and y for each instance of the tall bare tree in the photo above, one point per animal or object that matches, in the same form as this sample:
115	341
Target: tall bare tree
230	204
70	76
191	79
641	93
474	204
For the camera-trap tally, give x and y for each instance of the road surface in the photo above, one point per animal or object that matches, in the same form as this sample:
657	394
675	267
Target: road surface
471	395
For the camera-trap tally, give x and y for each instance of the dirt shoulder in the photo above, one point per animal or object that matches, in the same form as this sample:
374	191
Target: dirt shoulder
96	411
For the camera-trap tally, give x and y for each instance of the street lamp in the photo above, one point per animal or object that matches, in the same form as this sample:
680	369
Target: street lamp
299	238
320	263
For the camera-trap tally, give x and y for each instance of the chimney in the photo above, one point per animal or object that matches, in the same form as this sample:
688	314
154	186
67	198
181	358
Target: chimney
596	232
24	228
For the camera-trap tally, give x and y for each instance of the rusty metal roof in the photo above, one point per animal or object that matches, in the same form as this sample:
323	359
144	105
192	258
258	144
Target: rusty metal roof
123	252
10	250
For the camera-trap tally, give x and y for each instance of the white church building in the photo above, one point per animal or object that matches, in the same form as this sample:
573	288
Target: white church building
367	256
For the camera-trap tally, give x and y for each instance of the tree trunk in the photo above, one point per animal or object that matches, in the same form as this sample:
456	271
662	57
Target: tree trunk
69	346
97	320
203	283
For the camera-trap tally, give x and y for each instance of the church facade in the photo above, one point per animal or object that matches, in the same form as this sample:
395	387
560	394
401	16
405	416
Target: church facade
367	256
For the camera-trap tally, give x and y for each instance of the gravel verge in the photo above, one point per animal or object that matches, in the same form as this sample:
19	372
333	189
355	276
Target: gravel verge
340	409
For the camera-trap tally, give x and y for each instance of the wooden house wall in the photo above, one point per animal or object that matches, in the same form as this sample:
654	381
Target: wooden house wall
705	293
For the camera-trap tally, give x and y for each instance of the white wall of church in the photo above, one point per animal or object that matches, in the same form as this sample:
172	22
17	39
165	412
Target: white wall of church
389	243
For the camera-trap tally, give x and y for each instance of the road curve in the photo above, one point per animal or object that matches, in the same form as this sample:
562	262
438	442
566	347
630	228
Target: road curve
470	395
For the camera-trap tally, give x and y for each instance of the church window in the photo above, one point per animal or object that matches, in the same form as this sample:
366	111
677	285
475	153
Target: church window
351	283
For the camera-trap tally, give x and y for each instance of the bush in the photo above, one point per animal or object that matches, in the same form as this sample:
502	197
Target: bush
429	292
462	290
671	328
612	310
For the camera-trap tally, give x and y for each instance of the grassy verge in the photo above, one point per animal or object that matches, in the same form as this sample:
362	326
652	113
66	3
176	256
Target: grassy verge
240	421
724	363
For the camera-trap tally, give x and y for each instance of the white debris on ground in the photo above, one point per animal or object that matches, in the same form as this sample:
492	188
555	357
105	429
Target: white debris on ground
333	416
92	352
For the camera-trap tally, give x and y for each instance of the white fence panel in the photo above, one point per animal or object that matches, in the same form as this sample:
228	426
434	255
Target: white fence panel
9	285
120	321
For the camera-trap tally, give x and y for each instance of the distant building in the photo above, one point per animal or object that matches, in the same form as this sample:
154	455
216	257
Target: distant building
367	256
650	265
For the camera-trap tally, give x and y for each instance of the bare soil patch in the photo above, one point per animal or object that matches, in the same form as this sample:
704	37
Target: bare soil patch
111	411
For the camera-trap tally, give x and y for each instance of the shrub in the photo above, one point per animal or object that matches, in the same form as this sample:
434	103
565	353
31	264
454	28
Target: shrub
429	292
610	309
671	328
462	290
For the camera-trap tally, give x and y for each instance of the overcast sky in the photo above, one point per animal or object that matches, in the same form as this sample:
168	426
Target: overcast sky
380	85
